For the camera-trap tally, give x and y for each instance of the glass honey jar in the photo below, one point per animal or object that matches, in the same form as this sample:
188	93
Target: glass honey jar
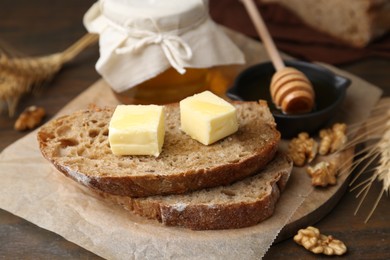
158	52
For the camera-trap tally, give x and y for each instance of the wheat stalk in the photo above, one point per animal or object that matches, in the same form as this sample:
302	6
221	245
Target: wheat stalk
375	156
20	75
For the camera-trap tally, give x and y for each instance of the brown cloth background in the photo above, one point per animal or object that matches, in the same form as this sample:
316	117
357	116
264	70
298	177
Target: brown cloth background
292	36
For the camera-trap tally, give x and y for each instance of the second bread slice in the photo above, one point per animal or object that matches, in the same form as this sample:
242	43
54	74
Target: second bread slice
241	204
78	146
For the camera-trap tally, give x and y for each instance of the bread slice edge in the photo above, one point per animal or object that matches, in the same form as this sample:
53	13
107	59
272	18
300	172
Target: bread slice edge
215	216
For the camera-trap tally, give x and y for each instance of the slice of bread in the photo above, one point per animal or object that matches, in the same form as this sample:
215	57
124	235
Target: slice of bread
356	22
241	204
78	146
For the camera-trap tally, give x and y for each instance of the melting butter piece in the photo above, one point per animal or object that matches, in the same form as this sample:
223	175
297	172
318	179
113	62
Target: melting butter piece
207	118
137	130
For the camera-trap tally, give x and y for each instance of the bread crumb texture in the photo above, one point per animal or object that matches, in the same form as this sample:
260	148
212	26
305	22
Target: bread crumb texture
77	145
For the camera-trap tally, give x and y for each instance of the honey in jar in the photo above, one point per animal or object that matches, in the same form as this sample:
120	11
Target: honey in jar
170	86
160	51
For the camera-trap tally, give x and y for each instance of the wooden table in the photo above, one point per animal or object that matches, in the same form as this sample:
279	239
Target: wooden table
42	27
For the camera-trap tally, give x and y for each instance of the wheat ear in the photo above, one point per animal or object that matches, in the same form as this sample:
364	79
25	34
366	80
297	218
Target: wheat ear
19	75
376	154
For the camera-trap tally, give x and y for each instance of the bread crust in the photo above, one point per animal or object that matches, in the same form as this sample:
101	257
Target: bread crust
60	145
214	216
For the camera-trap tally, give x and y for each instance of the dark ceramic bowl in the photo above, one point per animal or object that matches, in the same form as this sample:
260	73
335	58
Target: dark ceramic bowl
253	84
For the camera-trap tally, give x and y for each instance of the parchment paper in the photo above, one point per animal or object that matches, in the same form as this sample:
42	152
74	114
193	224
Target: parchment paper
32	189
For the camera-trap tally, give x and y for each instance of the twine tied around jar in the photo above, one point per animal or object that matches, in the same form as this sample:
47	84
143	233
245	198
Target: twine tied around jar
175	48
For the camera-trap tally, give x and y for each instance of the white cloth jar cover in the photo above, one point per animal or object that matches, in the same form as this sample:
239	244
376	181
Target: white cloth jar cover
139	39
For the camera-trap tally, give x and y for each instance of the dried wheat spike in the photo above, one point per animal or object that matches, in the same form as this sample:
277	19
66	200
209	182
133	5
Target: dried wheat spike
376	154
19	75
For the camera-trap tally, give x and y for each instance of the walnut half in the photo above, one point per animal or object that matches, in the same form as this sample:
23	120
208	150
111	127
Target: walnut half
311	239
333	139
30	118
323	174
302	149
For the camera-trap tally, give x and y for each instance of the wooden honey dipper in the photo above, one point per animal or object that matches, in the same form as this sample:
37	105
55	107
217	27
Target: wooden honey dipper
290	89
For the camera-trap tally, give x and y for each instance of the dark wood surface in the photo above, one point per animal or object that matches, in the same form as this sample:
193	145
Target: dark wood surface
42	27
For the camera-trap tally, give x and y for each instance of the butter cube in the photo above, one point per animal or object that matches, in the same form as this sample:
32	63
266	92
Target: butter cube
207	118
137	130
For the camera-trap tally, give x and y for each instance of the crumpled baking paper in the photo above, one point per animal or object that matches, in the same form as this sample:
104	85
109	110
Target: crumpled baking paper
33	189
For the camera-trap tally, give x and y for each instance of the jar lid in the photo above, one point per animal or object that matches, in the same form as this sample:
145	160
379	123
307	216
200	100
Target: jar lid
140	39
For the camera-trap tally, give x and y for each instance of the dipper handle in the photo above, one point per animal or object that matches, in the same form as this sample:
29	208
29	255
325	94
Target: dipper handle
290	90
264	34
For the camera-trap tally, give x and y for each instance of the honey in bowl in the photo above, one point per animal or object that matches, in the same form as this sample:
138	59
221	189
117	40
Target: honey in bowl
253	84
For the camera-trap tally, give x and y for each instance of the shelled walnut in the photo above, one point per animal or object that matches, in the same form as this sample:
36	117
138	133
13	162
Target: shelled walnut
332	139
302	149
30	118
323	174
311	239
